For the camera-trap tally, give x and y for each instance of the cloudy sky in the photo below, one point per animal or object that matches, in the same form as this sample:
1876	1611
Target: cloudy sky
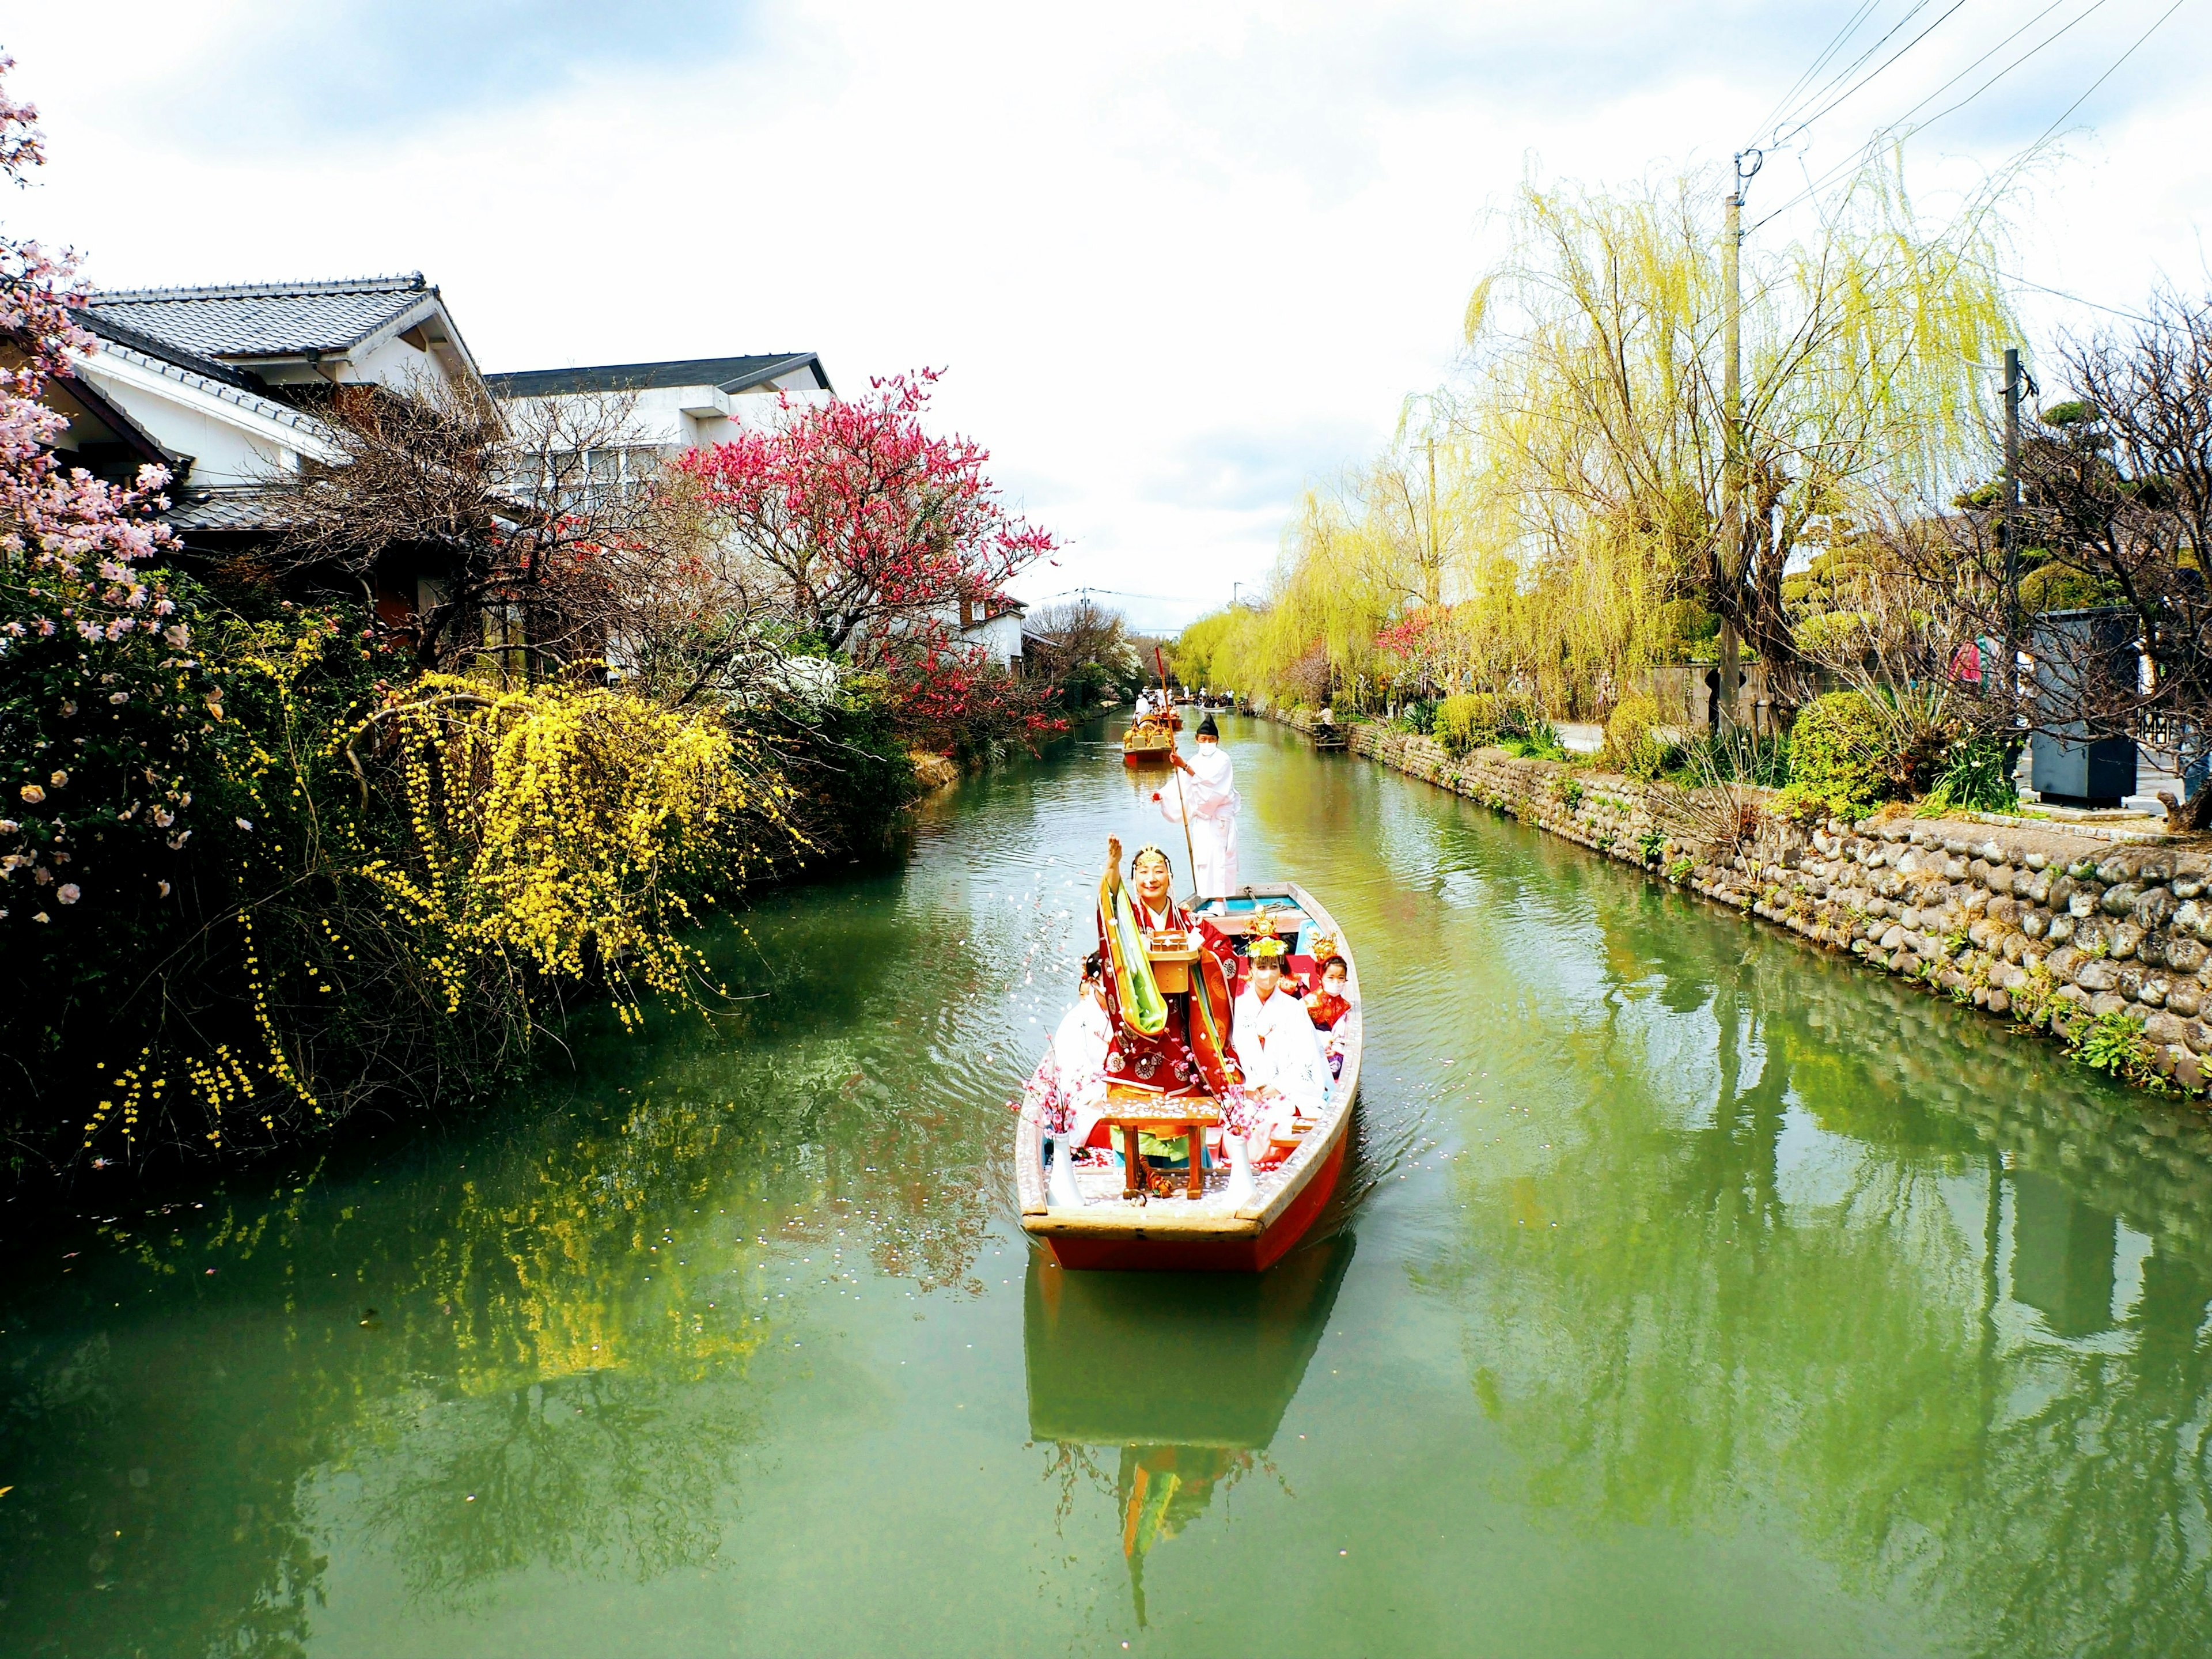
1177	261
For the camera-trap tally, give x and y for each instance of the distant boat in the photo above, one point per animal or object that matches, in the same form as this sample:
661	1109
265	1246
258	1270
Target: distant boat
1211	1232
1149	739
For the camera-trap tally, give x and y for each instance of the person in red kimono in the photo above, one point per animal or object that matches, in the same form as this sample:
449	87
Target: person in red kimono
1177	1042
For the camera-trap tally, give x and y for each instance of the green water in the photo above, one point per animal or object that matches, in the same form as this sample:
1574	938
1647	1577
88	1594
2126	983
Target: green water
1691	1294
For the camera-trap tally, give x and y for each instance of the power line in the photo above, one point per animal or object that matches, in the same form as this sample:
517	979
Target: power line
1982	59
1798	126
2060	294
2117	62
1771	120
1815	186
2054	35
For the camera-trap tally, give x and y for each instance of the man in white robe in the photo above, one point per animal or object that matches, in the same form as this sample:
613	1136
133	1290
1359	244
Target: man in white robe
1276	1044
1205	798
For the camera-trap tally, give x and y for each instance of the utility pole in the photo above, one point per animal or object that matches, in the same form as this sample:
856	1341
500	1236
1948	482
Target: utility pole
2009	531
1436	569
1731	547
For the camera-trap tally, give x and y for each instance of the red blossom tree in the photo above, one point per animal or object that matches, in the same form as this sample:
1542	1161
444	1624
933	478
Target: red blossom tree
880	540
876	531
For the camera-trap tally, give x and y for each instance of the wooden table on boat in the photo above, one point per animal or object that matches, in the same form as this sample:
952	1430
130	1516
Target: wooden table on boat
1133	1112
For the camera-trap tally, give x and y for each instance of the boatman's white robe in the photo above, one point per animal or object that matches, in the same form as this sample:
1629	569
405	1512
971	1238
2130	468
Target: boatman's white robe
1278	1048
1209	790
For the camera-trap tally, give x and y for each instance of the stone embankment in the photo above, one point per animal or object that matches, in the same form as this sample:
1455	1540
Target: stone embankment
2044	928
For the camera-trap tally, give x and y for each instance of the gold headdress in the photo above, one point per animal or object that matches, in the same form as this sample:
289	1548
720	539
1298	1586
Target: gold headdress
1266	948
1150	851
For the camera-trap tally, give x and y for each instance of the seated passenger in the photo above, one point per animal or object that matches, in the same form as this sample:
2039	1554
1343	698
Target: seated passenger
1274	1042
1079	1053
1330	1009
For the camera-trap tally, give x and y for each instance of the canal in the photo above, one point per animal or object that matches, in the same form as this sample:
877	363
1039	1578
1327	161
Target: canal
1691	1294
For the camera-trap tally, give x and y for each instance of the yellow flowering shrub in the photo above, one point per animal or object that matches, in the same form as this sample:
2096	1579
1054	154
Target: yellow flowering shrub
569	833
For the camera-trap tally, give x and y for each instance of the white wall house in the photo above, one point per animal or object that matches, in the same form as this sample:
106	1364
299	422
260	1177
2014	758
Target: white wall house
675	406
222	385
222	381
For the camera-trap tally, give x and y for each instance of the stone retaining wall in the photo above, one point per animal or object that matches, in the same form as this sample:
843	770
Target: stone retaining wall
2044	928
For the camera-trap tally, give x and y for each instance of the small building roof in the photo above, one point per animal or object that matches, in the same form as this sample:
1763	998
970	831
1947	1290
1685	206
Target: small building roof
728	374
251	320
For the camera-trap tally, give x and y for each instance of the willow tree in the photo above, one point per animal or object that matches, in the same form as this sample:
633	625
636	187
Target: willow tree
1594	401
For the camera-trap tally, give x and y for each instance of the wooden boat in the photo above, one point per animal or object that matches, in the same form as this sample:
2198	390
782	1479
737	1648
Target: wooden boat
1209	1232
1151	738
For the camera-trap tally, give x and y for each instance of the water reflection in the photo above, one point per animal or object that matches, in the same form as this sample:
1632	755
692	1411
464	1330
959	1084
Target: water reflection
1691	1265
1186	1377
1826	1248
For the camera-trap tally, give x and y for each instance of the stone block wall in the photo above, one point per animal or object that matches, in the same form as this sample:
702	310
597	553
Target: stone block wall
2044	928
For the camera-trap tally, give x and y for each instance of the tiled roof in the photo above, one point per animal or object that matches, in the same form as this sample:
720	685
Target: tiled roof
725	374
152	345
210	378
263	319
223	509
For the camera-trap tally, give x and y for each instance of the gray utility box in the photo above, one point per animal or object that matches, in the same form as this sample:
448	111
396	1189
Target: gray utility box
2084	660
2103	770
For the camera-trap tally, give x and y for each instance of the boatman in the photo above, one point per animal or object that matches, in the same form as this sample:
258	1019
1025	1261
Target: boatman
1207	800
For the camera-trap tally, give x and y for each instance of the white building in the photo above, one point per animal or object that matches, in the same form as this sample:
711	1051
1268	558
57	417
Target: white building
671	407
214	382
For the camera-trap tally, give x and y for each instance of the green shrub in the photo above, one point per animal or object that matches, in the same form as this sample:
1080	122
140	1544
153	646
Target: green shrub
1839	758
1468	720
1976	776
1418	715
1629	745
2115	1043
1536	740
1650	844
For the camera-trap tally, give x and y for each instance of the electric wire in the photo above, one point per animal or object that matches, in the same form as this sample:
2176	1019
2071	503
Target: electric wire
2055	34
2060	294
1858	157
2107	74
1853	67
1799	126
1771	121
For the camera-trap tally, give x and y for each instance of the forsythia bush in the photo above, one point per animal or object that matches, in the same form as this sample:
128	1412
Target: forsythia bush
565	834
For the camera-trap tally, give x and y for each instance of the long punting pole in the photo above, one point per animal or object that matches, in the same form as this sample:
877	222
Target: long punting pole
1183	806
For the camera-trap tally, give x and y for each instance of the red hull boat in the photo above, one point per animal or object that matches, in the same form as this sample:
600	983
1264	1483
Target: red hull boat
1214	1231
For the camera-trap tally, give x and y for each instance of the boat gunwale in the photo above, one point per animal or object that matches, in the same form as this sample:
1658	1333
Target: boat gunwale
1150	1224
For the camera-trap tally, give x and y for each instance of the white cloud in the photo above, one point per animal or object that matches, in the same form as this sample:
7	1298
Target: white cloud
1177	259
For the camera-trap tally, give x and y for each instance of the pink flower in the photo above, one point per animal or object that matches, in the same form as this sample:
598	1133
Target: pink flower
68	893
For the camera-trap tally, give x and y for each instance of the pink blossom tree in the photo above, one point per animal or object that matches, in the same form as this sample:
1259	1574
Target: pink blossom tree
880	540
97	696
